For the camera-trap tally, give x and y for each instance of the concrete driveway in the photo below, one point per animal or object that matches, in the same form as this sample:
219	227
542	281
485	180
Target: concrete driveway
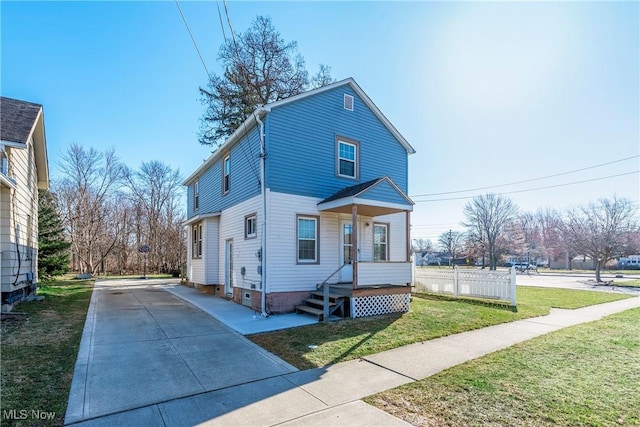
142	345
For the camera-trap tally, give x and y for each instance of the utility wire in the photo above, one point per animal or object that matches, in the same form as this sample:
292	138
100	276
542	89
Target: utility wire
224	35
534	189
526	180
193	39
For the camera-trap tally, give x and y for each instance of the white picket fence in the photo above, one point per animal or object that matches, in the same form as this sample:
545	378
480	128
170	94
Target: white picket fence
499	284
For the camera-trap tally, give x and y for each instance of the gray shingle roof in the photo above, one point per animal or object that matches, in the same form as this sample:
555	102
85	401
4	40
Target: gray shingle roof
17	119
352	191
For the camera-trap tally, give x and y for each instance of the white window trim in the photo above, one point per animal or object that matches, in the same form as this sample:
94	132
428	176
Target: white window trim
196	196
355	160
226	176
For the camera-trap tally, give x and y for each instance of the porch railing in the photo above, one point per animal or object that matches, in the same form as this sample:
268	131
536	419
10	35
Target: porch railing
325	292
382	273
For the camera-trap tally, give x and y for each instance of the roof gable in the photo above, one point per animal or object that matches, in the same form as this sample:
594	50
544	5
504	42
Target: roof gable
18	119
367	189
361	94
255	118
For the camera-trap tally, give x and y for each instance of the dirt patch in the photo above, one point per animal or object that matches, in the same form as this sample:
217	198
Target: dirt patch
11	321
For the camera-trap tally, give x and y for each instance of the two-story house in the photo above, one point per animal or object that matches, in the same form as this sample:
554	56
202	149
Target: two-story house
23	170
309	190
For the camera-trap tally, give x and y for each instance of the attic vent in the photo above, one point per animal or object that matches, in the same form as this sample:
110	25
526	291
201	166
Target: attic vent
348	102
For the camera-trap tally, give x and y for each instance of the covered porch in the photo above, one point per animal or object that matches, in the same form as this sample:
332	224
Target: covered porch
375	281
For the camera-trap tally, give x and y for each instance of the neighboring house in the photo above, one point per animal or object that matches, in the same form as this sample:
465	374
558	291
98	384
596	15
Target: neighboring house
309	189
631	262
23	170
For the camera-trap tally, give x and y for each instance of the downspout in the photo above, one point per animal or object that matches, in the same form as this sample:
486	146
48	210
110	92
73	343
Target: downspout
263	252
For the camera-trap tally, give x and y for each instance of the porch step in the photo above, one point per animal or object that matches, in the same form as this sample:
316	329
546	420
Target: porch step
332	297
310	310
315	305
318	302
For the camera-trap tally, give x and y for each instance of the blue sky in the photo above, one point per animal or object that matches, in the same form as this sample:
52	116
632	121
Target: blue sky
488	93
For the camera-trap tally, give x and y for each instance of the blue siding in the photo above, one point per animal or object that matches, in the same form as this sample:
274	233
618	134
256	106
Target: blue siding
244	178
301	145
384	192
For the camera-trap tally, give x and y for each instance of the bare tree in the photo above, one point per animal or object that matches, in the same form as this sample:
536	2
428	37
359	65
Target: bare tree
603	230
451	242
422	245
155	188
86	201
487	216
260	67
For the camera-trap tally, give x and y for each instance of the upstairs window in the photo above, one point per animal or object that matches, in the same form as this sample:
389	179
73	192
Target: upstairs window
226	173
347	159
196	240
196	196
250	226
380	242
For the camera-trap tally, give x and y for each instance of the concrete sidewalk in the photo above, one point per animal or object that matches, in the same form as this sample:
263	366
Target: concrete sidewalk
323	396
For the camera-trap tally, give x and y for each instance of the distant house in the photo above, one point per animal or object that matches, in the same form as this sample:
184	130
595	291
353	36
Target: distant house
311	189
23	170
631	262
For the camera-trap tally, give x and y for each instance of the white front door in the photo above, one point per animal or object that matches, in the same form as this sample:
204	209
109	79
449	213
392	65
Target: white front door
228	267
346	243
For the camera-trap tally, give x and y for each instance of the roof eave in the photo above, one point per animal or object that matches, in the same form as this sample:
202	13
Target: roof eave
235	137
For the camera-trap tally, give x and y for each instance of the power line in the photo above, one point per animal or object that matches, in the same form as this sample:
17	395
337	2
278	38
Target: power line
534	189
193	39
524	181
224	35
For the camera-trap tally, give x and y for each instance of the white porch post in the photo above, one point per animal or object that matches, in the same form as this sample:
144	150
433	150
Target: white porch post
354	244
408	231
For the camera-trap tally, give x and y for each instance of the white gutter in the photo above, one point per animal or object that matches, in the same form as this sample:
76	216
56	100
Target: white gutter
263	251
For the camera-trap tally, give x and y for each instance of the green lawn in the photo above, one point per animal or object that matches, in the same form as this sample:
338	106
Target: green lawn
430	317
583	375
39	352
629	283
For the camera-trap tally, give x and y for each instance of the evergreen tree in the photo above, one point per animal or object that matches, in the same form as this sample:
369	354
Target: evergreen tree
53	248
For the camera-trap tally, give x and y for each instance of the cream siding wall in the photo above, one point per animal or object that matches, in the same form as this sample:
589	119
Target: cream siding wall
285	275
210	249
397	235
16	208
244	250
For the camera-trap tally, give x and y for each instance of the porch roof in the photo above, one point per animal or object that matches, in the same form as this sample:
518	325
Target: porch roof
380	196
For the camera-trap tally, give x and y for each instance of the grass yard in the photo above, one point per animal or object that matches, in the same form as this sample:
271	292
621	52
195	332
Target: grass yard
431	316
39	352
583	375
629	283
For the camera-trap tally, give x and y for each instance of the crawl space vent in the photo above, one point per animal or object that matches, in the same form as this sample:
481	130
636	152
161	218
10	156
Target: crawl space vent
348	102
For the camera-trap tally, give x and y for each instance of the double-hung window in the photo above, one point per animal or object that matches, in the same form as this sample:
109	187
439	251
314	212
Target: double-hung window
196	240
380	242
307	239
196	196
250	224
226	173
347	158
